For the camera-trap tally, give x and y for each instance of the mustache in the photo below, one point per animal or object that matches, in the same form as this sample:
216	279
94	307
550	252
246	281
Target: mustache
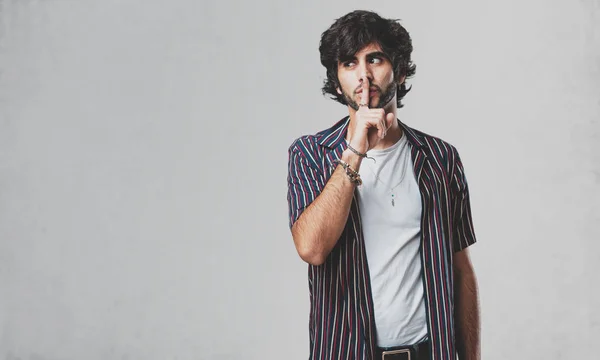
377	88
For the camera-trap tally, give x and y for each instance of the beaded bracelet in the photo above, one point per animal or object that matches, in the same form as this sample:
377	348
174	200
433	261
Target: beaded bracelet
351	173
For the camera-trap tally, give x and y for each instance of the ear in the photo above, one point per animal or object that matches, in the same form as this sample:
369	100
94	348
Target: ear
338	90
401	80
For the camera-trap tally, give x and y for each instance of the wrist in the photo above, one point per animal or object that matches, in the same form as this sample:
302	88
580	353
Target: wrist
351	172
352	159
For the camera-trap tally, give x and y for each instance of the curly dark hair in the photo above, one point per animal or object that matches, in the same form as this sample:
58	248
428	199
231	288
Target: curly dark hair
357	29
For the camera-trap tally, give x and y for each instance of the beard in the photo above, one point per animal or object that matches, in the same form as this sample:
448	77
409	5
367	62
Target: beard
384	97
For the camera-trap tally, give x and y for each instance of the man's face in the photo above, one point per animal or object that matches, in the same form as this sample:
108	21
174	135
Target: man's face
372	63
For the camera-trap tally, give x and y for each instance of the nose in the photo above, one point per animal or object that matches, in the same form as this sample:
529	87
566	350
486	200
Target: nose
364	72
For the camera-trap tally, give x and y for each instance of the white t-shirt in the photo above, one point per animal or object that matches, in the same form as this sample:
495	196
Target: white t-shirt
390	208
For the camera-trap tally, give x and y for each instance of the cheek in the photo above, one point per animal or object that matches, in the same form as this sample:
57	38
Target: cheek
390	76
342	81
343	84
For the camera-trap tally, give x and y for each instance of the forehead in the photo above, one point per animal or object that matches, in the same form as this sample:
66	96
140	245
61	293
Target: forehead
371	48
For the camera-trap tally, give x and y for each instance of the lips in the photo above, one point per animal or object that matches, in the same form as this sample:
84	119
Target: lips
371	90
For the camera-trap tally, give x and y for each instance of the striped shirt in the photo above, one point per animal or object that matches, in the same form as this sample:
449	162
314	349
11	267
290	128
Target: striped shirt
341	319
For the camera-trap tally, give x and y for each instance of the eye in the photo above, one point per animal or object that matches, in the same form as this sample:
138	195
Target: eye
376	60
348	63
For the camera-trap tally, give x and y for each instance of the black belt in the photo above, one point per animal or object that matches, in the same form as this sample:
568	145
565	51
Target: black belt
415	352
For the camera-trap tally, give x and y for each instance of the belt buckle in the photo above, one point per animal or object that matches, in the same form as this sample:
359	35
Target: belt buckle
395	352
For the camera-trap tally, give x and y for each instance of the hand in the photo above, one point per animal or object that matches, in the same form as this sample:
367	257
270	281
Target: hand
371	124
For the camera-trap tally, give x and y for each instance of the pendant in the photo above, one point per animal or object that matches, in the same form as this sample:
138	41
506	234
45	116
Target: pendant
393	203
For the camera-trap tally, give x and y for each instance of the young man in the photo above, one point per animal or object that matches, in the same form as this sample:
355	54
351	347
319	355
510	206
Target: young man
381	213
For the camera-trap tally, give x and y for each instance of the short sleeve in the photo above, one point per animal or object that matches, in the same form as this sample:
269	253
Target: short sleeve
303	184
462	226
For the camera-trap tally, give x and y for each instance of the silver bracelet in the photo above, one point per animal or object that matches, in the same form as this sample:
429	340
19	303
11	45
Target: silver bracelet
359	154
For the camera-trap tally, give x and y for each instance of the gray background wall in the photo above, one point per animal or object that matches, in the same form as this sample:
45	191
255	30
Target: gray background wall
143	154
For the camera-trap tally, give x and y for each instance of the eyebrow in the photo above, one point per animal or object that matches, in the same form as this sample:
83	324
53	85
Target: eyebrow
371	55
377	54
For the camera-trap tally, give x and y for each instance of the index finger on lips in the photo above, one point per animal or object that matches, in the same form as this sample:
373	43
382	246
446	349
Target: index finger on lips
364	95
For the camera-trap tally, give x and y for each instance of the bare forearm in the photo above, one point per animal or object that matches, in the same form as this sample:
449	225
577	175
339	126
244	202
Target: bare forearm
321	224
467	317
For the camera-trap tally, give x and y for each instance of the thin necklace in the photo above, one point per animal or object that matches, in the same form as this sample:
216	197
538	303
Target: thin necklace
395	186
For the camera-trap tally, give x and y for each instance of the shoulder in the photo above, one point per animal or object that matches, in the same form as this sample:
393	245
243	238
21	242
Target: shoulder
441	150
306	148
304	143
313	146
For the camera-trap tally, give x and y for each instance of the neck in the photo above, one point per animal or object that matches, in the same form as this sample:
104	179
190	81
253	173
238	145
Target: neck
394	132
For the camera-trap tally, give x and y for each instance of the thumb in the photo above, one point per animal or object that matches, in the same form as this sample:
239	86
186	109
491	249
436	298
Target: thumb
389	118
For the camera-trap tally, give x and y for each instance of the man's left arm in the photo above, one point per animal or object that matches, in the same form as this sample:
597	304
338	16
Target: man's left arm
466	308
466	295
